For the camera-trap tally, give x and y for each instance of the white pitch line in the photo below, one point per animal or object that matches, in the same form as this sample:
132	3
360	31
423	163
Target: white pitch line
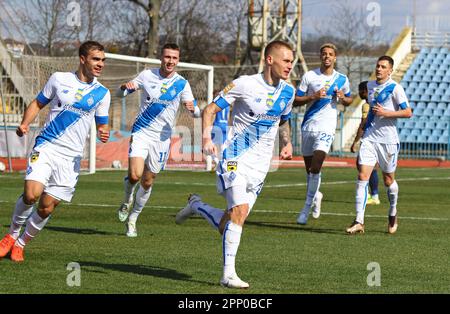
256	210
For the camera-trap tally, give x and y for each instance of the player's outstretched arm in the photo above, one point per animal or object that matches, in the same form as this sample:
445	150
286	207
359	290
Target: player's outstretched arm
28	117
103	132
382	112
126	88
359	134
285	138
208	116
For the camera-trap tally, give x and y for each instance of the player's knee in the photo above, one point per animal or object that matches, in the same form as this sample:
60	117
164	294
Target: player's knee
29	197
46	211
133	177
315	169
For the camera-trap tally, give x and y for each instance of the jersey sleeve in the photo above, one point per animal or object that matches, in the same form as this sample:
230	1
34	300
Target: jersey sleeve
346	88
139	80
286	114
303	87
365	110
230	93
101	113
400	98
49	91
186	94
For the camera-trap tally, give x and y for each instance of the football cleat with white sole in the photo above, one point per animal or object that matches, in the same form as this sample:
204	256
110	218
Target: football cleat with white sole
187	211
123	212
355	227
131	230
234	282
302	218
317	205
393	224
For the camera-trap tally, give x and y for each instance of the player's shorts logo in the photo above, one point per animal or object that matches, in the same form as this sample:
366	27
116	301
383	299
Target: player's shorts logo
34	156
231	165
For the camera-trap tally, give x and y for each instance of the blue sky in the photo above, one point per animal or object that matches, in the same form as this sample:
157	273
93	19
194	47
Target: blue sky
431	14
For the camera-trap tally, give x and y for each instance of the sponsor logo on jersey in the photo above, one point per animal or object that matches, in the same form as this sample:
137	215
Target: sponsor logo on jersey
163	88
228	88
232	165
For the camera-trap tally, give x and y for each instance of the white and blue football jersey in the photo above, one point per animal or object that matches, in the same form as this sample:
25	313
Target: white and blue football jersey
321	115
160	100
72	107
257	111
392	97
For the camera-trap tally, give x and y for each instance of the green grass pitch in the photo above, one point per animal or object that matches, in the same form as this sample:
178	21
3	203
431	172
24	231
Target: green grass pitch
275	256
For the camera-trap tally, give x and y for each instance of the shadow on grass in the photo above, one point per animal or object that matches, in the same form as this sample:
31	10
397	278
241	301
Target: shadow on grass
145	270
80	230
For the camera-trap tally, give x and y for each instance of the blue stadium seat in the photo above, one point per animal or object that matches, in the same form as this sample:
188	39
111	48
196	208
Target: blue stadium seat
444	50
403	137
431	70
442	105
433	85
413	84
433	139
419	124
415	97
437	78
404	84
442	125
427	78
443	85
425	97
415	132
440	91
441	71
429	91
445	98
409	124
436	97
436	132
438	112
418	78
446	78
411	138
426	132
422	138
421	105
423	85
432	105
425	50
418	111
430	125
447	112
412	104
443	140
434	50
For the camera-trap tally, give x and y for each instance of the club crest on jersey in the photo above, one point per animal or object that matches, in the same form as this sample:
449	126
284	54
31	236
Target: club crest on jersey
163	88
228	88
34	157
269	101
79	94
90	101
231	165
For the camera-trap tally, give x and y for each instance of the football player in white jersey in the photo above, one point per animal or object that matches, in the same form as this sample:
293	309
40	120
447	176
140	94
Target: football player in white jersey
75	99
261	103
162	92
322	89
380	142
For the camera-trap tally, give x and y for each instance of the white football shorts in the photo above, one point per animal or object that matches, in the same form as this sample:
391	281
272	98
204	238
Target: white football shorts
237	188
155	153
386	155
57	174
312	141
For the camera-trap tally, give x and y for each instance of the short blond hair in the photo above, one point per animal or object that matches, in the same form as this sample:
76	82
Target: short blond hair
329	45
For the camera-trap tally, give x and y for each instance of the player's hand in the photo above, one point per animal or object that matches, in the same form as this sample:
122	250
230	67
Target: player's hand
103	134
352	148
339	94
378	110
22	130
189	106
130	86
321	93
209	148
286	152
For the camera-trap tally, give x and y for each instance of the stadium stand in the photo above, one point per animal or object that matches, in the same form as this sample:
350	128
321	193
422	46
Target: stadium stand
426	83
